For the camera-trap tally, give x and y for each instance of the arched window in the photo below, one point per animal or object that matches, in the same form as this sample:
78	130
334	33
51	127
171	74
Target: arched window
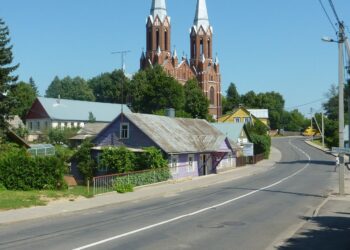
149	40
157	39
166	40
212	96
201	47
209	49
193	49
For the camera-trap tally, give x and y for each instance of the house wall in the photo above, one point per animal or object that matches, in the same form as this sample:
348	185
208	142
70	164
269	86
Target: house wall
111	136
183	169
242	116
46	123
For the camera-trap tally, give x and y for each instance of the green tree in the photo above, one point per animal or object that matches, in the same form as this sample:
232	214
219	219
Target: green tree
196	104
294	121
120	160
85	163
153	90
92	118
24	96
233	99
32	83
110	87
70	88
152	158
249	100
6	77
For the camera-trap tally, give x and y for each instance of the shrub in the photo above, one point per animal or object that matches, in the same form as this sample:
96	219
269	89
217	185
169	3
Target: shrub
145	178
2	187
262	144
86	165
152	158
61	136
120	159
124	188
20	171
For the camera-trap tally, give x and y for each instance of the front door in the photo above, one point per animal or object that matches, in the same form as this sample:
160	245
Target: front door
205	164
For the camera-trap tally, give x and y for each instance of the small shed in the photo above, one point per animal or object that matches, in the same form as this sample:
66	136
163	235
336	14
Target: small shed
42	150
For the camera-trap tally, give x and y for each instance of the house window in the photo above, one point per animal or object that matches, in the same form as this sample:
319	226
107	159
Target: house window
31	125
174	164
38	125
66	124
124	131
101	168
190	167
237	120
59	125
246	120
72	124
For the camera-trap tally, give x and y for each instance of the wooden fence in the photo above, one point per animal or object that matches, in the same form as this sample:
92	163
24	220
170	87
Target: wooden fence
244	160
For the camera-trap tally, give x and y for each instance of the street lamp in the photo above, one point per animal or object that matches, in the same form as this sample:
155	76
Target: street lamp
341	40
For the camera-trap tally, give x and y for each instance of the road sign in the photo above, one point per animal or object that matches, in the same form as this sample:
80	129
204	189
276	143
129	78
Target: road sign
336	150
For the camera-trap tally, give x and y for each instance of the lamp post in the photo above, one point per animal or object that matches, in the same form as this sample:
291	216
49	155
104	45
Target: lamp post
341	40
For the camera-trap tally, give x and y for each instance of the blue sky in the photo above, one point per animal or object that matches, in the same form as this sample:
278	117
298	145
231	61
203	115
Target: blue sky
269	45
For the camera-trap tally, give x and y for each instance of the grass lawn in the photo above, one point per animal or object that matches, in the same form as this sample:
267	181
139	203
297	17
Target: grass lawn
20	199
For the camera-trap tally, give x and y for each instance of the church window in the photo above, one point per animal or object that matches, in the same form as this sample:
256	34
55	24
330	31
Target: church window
193	49
157	38
201	47
166	39
212	96
209	52
149	40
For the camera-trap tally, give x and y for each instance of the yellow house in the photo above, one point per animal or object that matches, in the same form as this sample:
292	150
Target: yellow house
243	115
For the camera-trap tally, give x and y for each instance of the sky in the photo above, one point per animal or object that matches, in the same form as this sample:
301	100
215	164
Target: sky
269	45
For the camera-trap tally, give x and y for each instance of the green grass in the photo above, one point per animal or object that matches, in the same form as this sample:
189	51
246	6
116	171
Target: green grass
21	199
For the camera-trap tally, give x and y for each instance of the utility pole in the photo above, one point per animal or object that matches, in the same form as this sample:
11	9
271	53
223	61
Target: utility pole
341	37
123	54
323	129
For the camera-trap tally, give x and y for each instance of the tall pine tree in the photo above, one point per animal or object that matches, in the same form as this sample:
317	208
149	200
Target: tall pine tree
6	77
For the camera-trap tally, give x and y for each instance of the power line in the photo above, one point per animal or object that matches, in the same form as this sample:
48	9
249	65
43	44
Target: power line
306	104
328	17
334	11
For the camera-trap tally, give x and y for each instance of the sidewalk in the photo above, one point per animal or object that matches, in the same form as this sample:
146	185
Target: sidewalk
141	193
329	227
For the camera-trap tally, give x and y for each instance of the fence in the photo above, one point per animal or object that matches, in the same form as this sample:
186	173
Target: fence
244	160
107	183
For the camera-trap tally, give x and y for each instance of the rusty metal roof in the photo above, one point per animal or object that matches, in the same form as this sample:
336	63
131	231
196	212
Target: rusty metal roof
179	135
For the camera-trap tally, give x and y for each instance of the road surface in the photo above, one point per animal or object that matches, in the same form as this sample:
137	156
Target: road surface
254	212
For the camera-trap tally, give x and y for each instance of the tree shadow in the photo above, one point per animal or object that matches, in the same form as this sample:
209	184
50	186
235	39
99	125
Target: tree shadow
326	232
313	162
277	191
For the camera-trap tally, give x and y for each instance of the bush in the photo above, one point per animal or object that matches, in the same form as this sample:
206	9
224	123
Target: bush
20	171
262	144
61	136
2	187
120	159
152	158
86	165
124	188
145	178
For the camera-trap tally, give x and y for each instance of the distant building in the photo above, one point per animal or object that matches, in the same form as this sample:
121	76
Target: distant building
90	130
243	115
48	113
192	146
202	64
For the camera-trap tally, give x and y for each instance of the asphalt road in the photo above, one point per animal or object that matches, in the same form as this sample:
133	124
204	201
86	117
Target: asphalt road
248	213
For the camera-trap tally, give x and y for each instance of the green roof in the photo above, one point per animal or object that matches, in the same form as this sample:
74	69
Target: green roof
231	130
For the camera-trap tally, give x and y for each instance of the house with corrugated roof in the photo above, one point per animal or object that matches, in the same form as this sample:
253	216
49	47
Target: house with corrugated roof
243	115
193	147
47	113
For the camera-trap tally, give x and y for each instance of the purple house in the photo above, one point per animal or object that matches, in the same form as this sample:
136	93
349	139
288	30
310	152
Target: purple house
193	147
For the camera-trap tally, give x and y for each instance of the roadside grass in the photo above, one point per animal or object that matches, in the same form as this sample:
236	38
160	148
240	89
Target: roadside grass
22	199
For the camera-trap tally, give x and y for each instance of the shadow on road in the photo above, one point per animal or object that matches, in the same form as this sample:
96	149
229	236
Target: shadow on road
322	233
325	163
277	191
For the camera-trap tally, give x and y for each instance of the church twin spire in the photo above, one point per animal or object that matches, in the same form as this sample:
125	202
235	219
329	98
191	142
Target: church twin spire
201	16
159	9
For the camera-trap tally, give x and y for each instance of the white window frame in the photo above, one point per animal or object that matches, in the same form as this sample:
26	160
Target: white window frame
237	120
127	131
247	120
190	165
174	165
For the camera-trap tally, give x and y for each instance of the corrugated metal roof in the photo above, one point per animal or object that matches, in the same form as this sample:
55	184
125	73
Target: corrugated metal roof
71	110
231	130
179	135
260	113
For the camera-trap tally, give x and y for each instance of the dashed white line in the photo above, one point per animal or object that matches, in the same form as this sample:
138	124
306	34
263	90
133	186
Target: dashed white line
199	211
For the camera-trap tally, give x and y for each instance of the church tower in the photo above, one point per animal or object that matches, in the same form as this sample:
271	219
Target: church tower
158	36
206	68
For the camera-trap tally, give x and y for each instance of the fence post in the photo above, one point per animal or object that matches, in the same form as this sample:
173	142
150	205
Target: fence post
88	187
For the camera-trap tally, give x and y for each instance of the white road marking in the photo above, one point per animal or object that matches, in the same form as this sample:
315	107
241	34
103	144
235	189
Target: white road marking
199	211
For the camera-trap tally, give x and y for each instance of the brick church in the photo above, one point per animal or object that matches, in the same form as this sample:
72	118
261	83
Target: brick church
201	65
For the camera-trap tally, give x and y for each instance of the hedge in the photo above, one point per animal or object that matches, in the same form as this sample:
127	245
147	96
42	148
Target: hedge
20	171
144	178
262	144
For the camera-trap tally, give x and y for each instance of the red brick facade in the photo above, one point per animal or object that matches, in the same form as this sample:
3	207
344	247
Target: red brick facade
201	64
